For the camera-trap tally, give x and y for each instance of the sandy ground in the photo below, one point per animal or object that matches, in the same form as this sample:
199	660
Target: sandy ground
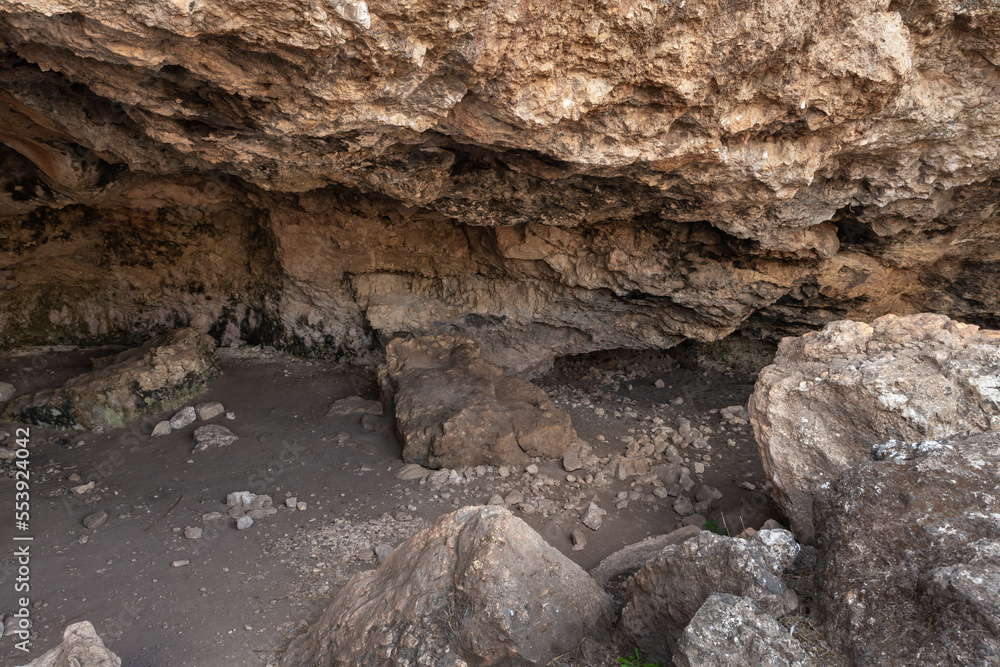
244	594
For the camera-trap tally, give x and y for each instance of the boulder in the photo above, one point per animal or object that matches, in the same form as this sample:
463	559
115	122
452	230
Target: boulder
909	551
479	587
628	559
732	630
665	594
830	396
81	647
454	409
157	376
213	435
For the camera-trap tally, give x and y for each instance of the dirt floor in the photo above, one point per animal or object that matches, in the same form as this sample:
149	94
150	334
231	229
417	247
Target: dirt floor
242	595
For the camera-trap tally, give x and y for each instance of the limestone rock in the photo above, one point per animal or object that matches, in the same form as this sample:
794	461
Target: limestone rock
213	435
831	396
454	593
910	551
732	630
663	596
454	409
158	375
81	647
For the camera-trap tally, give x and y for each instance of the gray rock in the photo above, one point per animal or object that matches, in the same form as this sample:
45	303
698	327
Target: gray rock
184	417
161	428
7	391
514	498
497	499
457	592
683	506
731	630
172	368
291	502
81	647
96	519
593	516
579	539
193	533
908	550
243	522
213	435
454	408
413	471
209	410
627	560
7	454
662	597
180	563
383	551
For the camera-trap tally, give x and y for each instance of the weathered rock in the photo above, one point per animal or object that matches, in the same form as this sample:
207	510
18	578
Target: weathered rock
156	376
7	391
453	408
663	595
161	428
209	410
456	592
184	417
354	406
593	516
413	471
732	630
830	396
909	551
96	519
628	559
81	647
213	435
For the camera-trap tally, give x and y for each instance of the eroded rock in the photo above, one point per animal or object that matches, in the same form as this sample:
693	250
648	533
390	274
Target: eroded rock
454	409
81	647
832	395
663	596
454	593
161	374
910	551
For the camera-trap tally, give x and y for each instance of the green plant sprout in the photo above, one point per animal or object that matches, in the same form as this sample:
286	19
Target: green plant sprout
636	660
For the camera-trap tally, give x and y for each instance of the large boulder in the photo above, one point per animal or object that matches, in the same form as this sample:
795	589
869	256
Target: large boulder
830	396
479	587
453	408
81	647
909	563
665	594
731	630
156	376
630	558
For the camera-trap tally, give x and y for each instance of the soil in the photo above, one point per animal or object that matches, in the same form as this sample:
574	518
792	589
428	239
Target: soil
244	594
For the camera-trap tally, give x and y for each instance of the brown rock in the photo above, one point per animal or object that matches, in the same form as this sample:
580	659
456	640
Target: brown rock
81	647
457	592
453	408
832	395
909	561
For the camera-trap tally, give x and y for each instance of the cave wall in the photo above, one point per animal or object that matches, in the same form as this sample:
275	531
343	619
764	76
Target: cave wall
552	178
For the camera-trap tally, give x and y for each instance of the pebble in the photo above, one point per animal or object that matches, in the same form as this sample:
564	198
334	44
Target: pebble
579	539
678	401
211	516
85	488
209	410
7	454
73	478
699	468
302	507
180	563
192	533
496	499
185	417
96	519
7	391
593	516
749	486
291	502
161	428
413	471
243	523
383	551
659	384
683	506
532	469
230	415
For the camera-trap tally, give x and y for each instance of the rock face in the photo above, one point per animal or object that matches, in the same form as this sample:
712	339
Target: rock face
453	408
832	395
665	594
910	554
479	587
157	376
731	630
547	179
81	647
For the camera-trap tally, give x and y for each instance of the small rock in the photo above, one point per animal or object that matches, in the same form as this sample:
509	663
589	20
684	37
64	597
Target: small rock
683	506
211	516
749	486
161	428
366	555
496	499
661	492
7	391
699	468
579	539
180	563
302	507
84	488
96	519
593	516
678	401
192	533
213	435
73	478
439	476
413	471
383	551
292	502
354	405
209	410
243	523
504	472
514	498
230	415
659	384
185	417
696	520
532	469
7	454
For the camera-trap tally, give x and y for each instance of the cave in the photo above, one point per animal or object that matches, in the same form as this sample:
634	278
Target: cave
627	205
